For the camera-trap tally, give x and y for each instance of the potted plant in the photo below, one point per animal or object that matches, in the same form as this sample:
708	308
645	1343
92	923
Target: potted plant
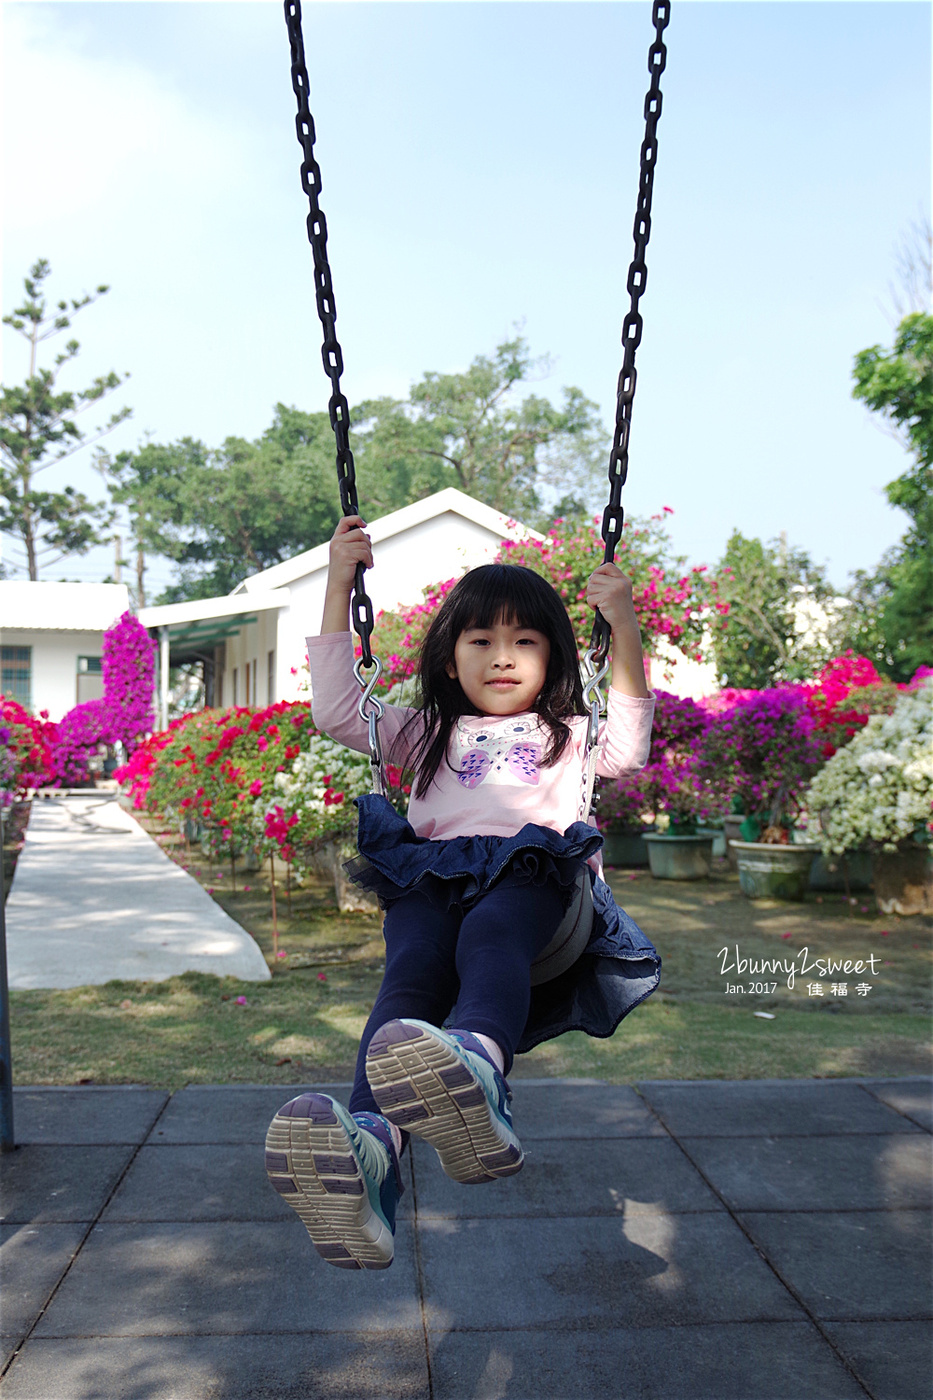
678	795
876	793
621	810
764	750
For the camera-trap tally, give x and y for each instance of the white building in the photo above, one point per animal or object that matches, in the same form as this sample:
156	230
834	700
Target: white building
252	641
51	641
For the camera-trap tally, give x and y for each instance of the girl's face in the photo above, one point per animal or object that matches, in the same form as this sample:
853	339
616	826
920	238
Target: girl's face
502	668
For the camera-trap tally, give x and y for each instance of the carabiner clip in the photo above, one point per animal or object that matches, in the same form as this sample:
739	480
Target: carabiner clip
371	709
592	695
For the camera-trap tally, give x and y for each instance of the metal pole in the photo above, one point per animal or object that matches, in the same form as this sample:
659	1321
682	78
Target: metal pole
163	677
7	1141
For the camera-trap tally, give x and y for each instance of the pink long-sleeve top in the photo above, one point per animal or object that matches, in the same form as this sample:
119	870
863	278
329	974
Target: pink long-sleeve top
493	781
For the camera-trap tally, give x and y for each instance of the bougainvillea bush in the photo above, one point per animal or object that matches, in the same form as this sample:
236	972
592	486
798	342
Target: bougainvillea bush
671	603
763	751
128	665
672	783
30	746
878	790
79	733
124	713
212	767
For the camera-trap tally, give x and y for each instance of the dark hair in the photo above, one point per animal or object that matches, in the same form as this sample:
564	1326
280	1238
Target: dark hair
519	597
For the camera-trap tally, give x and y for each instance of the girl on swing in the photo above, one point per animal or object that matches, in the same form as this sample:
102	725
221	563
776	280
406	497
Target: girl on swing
474	886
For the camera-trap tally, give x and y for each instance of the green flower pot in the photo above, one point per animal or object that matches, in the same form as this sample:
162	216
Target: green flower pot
680	857
828	873
774	872
624	848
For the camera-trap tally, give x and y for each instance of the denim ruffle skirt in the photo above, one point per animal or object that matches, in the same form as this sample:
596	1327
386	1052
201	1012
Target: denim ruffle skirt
619	968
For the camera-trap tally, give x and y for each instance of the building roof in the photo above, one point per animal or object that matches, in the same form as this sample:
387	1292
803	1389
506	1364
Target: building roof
60	607
385	527
199	624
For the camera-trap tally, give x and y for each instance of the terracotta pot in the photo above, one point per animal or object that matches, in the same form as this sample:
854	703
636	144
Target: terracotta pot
773	872
680	857
904	880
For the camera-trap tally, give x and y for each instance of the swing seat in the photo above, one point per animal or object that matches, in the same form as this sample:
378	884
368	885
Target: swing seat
572	936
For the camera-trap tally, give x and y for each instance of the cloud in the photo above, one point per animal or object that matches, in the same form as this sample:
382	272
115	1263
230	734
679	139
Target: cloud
88	135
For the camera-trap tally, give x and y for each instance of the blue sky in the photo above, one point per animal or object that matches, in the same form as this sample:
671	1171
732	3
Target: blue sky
480	169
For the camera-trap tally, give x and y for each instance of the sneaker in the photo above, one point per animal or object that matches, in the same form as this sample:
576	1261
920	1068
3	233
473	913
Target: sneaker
341	1174
442	1086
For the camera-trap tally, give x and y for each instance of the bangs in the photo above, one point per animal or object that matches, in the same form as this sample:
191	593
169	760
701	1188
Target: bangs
502	593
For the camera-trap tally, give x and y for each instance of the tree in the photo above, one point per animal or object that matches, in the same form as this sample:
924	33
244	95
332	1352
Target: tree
38	429
475	431
895	619
224	513
760	641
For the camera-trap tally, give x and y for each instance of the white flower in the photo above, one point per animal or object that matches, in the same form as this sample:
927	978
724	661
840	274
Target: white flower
879	788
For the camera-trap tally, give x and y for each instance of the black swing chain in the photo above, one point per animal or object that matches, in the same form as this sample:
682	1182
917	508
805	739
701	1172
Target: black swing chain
613	515
332	355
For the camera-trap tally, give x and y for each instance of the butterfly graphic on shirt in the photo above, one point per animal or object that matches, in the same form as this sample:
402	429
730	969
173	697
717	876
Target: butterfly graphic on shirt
502	753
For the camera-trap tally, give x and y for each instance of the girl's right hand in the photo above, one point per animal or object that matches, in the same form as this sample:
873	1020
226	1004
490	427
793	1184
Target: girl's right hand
349	546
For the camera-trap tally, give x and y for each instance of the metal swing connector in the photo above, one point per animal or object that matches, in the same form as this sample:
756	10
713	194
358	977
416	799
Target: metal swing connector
371	709
595	669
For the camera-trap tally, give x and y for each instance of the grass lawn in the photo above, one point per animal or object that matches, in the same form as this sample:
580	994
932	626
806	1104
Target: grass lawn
303	1026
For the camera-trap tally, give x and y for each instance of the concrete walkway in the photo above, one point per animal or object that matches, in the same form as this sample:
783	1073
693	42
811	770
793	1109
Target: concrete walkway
763	1240
94	898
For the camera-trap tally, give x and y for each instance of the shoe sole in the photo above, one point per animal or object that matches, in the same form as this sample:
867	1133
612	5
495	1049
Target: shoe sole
310	1162
422	1085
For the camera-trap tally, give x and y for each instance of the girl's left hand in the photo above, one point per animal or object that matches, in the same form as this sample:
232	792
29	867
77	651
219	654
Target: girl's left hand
611	591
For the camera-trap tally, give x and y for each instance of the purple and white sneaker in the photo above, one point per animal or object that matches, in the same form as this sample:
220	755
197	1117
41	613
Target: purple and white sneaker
442	1086
340	1172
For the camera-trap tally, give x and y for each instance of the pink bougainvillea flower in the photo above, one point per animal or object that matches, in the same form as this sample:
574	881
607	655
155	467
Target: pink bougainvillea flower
322	977
281	953
241	1001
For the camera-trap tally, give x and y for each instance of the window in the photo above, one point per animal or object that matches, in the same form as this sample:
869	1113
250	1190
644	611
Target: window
253	665
236	700
90	684
270	678
16	674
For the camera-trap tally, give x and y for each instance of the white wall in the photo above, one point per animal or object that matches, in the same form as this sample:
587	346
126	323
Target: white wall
404	566
55	665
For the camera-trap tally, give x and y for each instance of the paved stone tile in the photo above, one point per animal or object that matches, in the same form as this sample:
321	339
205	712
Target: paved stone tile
231	1278
92	1114
307	1366
912	1097
43	1182
226	1113
32	1259
727	1361
895	1359
811	1173
196	1182
851	1264
648	1269
597	1178
753	1107
574	1110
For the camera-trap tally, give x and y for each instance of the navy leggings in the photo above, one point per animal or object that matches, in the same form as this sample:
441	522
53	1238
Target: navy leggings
479	960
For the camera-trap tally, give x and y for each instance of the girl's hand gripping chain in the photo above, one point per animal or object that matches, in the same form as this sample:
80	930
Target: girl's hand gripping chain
349	546
611	591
